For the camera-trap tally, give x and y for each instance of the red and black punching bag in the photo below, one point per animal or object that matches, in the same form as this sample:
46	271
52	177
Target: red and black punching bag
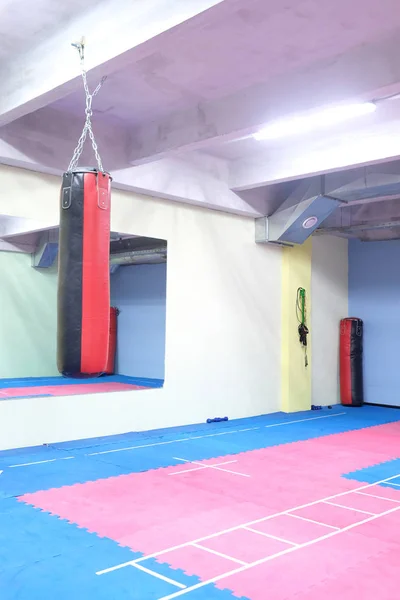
351	362
84	273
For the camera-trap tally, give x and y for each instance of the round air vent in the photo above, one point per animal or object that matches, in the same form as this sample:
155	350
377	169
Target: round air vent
310	222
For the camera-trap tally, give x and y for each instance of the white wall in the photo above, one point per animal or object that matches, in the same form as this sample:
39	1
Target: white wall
329	289
222	327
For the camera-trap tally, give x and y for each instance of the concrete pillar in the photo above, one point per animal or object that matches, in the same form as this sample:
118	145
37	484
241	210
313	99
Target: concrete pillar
296	377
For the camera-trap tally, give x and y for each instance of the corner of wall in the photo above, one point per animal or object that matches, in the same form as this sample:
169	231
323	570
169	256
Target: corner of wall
330	300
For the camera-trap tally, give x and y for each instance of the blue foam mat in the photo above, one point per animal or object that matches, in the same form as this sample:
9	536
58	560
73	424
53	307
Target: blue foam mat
97	459
43	557
388	469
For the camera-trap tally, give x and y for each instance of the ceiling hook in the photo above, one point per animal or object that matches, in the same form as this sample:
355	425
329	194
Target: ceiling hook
80	46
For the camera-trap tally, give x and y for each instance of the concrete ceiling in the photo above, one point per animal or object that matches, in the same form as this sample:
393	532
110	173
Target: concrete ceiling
22	30
189	82
237	45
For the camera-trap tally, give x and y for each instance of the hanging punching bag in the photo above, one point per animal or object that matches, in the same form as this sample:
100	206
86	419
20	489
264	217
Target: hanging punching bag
351	362
84	273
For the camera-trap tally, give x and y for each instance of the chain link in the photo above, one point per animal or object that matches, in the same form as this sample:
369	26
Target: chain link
87	128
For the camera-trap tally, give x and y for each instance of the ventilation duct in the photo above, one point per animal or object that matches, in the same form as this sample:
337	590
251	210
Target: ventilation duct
366	183
301	213
139	257
137	251
46	251
123	251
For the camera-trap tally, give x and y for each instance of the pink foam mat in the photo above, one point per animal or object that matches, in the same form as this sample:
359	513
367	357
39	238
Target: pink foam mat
245	545
162	509
284	577
68	390
195	560
334	516
365	501
376	577
291	529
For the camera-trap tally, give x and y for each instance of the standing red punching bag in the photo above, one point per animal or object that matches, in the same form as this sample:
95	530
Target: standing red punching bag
351	362
84	273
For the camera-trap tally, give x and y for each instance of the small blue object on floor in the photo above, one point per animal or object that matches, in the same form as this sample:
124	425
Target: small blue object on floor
217	419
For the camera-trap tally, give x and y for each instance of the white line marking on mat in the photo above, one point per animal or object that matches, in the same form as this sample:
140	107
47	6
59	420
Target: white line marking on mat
193	462
40	462
269	535
303	420
228	462
379	497
188	471
365	512
160	443
250	523
396	484
221	554
312	521
231	472
249	429
159	576
199	437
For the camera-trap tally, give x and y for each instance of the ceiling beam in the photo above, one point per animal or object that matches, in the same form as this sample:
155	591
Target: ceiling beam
117	34
364	72
48	138
201	182
34	142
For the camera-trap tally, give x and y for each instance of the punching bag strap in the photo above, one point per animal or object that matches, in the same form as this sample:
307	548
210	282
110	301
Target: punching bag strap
66	191
87	128
103	192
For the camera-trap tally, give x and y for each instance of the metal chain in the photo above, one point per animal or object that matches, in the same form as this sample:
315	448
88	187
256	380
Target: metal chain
87	128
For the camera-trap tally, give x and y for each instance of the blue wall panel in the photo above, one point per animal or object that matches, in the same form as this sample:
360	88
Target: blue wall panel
374	296
139	291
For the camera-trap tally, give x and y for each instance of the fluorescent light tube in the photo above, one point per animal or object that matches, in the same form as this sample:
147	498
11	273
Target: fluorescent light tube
323	118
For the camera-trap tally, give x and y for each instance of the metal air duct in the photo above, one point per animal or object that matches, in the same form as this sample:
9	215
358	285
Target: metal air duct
140	257
366	183
300	214
46	251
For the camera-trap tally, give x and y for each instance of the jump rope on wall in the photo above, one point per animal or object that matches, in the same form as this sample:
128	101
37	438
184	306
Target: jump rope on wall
301	314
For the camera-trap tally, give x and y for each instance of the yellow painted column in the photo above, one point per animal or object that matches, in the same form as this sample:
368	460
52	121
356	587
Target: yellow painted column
296	377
